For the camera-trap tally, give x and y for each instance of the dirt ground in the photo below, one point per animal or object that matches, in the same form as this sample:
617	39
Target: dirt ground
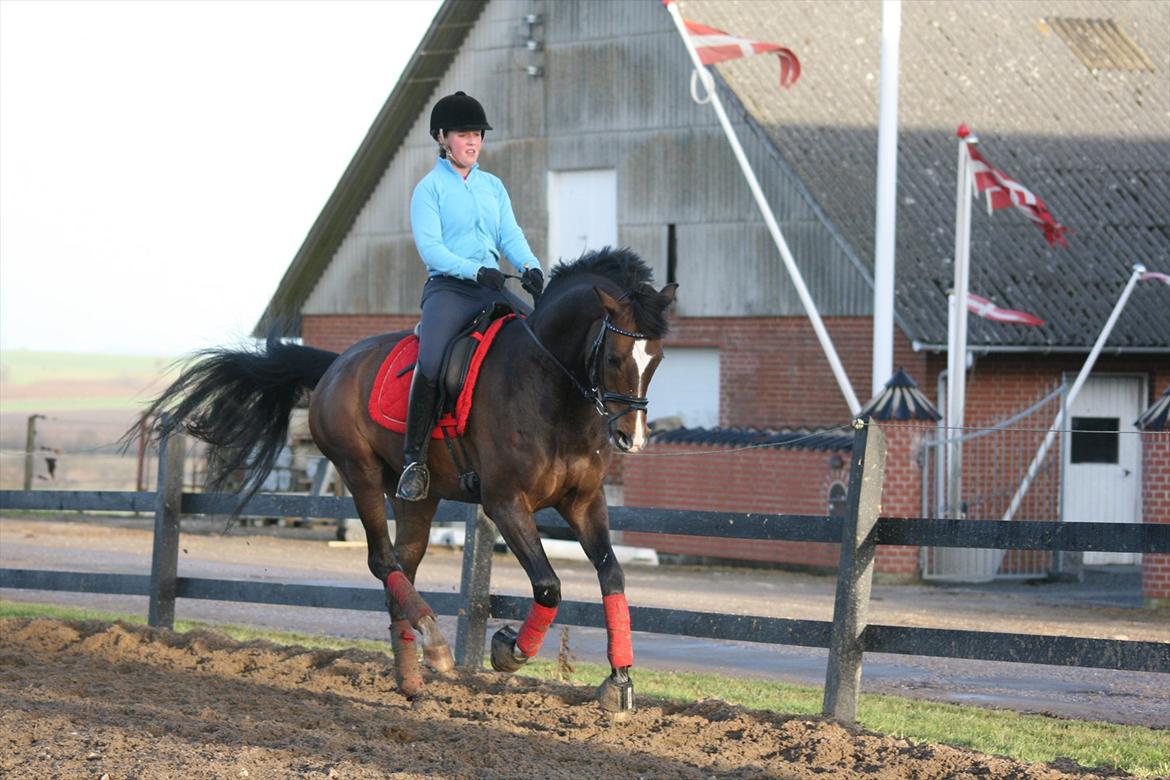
116	701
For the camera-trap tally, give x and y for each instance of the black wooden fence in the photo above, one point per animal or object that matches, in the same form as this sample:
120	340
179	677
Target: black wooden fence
847	636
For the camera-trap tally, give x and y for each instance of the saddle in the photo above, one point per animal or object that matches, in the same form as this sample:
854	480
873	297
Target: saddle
458	372
458	357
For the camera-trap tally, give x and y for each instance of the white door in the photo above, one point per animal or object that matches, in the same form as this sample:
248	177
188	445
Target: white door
686	386
1103	459
582	212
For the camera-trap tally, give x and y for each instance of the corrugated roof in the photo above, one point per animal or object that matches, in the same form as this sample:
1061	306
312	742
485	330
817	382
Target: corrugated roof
900	399
1094	144
820	441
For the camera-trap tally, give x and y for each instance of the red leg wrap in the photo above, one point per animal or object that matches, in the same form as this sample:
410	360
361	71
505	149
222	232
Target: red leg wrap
407	597
534	628
617	626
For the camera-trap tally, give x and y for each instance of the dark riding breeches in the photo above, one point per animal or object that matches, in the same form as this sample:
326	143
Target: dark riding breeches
448	305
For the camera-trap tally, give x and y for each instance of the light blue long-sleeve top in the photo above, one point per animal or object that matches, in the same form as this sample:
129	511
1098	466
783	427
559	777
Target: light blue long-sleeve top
461	225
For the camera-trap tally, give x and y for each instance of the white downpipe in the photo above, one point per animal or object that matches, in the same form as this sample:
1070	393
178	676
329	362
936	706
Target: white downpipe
769	219
957	331
1082	377
884	267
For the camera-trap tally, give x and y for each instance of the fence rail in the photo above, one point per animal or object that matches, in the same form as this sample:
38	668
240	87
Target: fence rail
848	636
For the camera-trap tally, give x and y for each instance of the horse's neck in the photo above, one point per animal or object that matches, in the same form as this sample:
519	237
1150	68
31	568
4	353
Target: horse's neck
564	325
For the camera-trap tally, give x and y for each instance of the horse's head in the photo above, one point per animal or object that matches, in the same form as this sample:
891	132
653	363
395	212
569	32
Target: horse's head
626	350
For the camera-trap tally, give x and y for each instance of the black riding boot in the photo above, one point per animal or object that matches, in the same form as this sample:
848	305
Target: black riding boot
415	481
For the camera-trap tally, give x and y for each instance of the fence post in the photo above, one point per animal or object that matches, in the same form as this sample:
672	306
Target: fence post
30	446
855	572
164	562
475	589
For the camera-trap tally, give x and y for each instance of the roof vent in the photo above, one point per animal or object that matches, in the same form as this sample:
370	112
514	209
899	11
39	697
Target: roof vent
1100	44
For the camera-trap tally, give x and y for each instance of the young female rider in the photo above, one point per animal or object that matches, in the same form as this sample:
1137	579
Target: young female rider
463	223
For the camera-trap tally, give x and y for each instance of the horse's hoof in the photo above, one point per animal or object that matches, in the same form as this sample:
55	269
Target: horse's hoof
504	651
436	652
439	659
616	694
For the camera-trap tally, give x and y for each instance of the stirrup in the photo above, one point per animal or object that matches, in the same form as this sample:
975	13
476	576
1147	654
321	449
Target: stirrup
415	482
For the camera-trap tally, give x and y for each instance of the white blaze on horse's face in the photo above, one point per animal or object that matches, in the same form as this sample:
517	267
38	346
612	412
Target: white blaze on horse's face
644	361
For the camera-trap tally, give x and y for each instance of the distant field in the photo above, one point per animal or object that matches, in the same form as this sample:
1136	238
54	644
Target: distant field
39	382
88	402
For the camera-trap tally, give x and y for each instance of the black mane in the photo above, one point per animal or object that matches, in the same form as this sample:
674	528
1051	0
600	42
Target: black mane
630	273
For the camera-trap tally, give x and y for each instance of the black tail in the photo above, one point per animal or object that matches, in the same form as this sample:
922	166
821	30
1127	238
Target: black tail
239	402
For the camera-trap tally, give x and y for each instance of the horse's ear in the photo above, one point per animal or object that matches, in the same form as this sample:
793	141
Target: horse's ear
608	302
668	292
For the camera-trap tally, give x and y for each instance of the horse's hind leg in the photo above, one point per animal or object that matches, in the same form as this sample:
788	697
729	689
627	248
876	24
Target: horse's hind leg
412	533
365	480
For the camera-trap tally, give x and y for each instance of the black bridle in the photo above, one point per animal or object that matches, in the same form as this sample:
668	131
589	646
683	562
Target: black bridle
597	394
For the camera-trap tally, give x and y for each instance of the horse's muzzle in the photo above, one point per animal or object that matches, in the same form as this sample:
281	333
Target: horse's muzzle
622	441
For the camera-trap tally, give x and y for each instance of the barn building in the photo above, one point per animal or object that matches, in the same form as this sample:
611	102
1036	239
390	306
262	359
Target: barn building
599	142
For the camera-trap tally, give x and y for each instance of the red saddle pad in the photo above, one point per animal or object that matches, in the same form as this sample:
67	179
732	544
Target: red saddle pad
391	391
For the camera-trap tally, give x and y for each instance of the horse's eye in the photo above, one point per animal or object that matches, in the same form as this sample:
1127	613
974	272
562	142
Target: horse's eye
614	361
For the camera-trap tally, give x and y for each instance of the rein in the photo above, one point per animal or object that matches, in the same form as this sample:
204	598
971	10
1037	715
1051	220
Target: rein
598	395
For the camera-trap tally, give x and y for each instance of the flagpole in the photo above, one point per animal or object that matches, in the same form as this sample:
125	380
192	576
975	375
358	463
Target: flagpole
769	219
1086	369
886	208
957	327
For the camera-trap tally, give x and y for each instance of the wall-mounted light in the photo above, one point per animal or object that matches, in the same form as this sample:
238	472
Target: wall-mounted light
535	71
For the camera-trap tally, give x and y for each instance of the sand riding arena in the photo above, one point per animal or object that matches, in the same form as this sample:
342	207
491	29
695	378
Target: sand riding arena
116	701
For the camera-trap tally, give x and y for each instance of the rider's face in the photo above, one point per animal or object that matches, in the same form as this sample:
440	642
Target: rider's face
463	147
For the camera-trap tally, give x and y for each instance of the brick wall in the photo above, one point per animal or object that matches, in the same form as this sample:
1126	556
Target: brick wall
773	373
901	493
705	478
337	332
1156	503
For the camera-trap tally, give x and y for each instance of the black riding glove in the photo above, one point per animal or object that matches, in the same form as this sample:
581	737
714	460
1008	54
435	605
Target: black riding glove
533	282
490	278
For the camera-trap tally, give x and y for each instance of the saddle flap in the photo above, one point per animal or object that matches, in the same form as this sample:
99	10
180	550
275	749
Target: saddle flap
459	353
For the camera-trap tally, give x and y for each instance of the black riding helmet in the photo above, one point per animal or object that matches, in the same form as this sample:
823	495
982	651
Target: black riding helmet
458	112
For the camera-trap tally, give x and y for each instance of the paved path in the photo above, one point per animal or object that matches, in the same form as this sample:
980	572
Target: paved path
1107	605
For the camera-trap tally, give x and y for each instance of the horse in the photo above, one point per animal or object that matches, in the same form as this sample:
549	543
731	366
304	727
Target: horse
559	390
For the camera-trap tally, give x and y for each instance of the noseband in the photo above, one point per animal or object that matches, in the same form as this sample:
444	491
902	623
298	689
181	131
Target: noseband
597	393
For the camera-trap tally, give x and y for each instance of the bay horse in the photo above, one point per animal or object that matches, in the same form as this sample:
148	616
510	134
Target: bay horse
558	391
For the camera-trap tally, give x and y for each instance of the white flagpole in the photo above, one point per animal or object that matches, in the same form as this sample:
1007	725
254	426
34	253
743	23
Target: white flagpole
887	200
1086	369
957	327
769	219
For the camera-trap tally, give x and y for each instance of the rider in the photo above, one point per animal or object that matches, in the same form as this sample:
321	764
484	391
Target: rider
462	221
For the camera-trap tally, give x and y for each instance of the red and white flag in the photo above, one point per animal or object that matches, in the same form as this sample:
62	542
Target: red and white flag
1002	192
717	46
989	311
1154	276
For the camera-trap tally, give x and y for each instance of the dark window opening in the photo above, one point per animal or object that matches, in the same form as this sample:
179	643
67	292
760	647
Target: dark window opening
1094	439
837	497
671	256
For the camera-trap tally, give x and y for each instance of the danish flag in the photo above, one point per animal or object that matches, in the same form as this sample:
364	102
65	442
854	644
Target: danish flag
1002	191
989	311
717	46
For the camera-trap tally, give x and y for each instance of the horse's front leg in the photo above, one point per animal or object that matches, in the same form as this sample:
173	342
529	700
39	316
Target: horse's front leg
512	649
589	518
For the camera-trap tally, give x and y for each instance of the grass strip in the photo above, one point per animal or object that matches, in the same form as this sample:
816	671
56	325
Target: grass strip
1142	751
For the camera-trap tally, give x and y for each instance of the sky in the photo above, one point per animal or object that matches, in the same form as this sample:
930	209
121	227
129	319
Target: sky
161	163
